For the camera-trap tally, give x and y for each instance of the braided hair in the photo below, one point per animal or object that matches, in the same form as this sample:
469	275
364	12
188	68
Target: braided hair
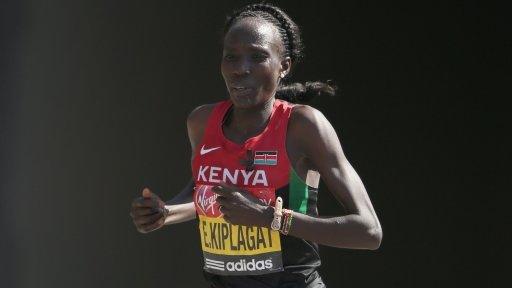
293	48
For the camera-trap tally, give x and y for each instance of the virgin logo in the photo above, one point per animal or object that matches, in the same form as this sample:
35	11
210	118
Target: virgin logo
205	200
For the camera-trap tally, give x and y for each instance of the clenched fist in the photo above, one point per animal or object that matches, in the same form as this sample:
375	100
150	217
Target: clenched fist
241	207
148	212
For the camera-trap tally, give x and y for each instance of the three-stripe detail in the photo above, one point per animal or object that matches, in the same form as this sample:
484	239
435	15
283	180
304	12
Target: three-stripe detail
214	264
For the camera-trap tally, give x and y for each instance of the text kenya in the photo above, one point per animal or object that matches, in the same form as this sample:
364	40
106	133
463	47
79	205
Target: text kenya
218	174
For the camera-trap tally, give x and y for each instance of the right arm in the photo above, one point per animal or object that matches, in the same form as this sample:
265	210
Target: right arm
149	211
181	208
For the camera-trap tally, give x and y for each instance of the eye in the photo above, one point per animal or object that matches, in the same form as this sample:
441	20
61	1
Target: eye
259	57
229	57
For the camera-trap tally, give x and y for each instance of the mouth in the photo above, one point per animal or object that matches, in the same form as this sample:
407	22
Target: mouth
239	88
241	91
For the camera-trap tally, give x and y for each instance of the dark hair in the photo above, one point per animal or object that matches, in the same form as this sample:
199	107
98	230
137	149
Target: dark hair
290	36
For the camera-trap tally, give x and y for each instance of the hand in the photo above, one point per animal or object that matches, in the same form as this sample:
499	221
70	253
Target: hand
241	207
148	212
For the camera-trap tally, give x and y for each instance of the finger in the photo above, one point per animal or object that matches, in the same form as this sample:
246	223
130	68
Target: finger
228	187
225	202
153	226
145	202
145	220
143	211
228	218
224	209
219	191
221	200
146	193
224	189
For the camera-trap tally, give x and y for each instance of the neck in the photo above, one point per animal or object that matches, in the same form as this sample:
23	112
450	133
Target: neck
251	121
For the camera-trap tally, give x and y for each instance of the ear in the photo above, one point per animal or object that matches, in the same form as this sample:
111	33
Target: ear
286	66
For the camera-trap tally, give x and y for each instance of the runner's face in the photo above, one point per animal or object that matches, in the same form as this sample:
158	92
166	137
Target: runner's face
252	62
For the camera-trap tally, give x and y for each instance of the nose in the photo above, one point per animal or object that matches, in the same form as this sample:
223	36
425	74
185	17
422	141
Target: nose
242	67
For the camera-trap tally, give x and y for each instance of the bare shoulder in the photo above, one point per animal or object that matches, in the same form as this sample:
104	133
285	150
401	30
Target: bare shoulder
196	122
306	120
313	134
199	115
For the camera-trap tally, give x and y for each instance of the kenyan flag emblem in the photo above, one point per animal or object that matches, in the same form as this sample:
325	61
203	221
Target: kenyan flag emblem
265	158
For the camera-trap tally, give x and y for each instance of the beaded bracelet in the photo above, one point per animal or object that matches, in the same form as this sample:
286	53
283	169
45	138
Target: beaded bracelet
286	222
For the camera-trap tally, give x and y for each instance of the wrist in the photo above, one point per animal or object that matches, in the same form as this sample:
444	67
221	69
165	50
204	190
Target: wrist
278	213
166	211
268	214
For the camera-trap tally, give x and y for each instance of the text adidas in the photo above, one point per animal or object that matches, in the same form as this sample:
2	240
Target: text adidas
252	265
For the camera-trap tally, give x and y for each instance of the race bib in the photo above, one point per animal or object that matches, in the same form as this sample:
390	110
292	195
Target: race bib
230	249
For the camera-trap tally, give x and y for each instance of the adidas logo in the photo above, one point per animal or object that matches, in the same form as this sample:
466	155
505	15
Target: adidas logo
249	266
240	266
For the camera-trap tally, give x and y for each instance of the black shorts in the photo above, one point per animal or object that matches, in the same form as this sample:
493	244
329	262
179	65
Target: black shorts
282	279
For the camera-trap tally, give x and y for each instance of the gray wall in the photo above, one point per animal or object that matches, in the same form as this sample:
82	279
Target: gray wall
93	106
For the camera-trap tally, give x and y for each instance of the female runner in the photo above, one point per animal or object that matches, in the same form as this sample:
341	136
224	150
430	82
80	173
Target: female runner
256	152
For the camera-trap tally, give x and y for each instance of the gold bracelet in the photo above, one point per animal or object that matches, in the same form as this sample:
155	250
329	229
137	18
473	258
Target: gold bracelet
287	221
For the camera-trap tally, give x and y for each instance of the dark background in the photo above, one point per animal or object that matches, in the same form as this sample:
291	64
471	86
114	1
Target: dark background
94	97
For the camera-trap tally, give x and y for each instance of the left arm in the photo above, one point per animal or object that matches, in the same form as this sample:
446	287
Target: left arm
318	142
